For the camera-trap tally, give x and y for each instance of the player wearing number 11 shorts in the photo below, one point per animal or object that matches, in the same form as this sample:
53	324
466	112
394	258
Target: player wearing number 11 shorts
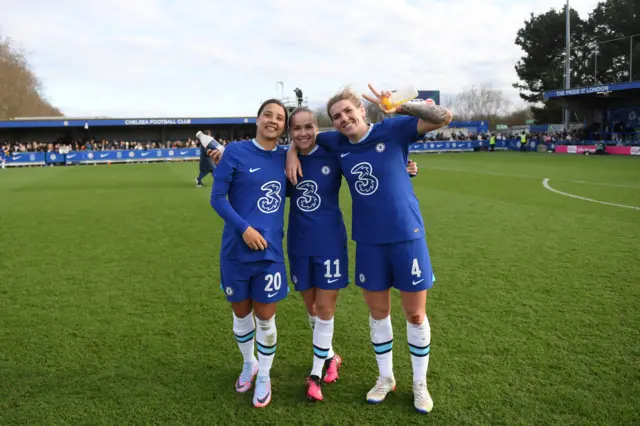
387	225
248	193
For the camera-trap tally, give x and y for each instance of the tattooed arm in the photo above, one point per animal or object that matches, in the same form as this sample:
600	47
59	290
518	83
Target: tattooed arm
431	116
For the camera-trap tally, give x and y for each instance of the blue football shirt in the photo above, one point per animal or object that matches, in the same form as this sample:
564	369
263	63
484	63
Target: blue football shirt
316	227
385	208
249	190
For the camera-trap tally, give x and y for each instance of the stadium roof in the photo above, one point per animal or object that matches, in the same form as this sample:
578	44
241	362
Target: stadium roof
122	122
620	90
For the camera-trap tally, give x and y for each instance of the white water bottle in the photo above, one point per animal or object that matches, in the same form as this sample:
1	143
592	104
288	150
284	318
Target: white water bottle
399	97
209	143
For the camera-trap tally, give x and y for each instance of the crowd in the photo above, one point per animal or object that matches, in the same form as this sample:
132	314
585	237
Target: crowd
556	137
100	145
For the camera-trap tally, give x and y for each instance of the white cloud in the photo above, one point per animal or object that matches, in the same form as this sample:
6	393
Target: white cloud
222	58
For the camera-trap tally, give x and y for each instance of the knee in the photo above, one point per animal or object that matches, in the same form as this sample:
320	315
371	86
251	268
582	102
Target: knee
265	312
325	310
415	318
379	304
380	312
242	309
312	310
266	324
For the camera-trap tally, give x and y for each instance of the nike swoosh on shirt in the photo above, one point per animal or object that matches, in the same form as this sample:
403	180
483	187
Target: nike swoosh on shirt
417	282
254	170
345	154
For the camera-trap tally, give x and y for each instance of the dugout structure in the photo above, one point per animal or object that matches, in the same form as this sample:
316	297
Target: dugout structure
611	111
63	129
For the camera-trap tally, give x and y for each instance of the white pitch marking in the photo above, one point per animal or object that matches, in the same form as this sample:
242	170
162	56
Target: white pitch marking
530	177
545	183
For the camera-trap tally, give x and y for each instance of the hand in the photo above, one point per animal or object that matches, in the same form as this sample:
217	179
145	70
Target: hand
253	239
215	154
379	97
412	168
293	167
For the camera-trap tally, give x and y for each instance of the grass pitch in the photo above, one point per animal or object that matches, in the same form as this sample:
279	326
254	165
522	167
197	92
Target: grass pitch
111	313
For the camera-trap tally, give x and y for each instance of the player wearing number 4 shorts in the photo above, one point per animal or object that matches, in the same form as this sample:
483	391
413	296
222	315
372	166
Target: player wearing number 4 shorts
387	225
248	193
317	243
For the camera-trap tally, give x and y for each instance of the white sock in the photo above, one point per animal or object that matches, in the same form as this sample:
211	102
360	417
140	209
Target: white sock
419	338
245	329
267	338
312	321
331	352
322	337
382	340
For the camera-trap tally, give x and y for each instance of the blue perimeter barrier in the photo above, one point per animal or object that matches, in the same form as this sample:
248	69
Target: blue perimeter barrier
98	157
185	154
470	146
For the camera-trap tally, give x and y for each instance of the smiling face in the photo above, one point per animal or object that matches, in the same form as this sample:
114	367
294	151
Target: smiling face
303	129
271	121
347	114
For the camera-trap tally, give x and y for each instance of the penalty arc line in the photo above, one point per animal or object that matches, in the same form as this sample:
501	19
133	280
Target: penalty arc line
545	183
446	169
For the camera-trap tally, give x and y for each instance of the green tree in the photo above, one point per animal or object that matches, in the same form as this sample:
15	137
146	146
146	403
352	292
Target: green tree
612	24
595	56
542	67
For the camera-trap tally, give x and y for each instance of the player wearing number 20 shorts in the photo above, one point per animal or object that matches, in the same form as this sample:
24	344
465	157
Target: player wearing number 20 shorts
249	191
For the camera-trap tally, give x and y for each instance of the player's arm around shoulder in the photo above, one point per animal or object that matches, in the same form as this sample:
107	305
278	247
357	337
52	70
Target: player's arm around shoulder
293	166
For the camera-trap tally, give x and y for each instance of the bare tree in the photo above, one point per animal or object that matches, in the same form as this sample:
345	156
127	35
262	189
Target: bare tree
480	103
373	111
21	92
517	117
323	118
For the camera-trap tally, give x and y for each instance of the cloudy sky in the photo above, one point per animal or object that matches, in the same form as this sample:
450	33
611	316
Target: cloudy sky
192	58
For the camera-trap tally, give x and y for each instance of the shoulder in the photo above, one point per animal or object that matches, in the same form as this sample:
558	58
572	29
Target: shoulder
398	121
323	152
400	127
238	147
331	137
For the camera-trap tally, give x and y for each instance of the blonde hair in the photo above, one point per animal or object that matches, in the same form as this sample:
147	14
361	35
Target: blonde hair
345	94
303	109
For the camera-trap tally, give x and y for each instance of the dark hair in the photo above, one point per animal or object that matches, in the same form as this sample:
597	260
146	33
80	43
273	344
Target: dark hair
303	109
277	102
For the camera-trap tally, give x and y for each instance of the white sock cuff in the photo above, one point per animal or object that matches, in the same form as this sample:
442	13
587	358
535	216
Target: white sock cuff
384	322
381	330
246	322
324	322
266	324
